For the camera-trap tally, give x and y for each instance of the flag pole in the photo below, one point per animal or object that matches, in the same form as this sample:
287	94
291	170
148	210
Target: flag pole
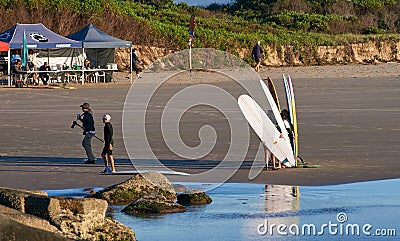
190	54
25	57
190	43
130	66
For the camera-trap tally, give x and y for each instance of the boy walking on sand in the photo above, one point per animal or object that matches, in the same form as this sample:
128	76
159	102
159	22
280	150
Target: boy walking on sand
108	144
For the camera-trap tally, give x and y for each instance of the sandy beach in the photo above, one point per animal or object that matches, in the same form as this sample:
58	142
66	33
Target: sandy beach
347	123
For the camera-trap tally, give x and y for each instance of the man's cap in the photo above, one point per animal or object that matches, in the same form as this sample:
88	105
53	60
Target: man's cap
106	117
85	105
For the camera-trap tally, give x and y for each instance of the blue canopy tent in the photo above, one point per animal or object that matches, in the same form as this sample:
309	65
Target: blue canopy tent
99	46
94	38
39	37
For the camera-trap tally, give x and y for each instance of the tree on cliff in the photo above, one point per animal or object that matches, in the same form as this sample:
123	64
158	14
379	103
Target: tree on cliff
156	2
329	16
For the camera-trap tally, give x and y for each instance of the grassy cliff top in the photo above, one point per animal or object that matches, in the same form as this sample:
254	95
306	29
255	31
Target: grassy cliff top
227	27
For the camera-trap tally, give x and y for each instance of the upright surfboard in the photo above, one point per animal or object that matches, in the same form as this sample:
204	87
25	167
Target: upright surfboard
291	109
288	98
287	92
277	114
272	90
266	130
294	117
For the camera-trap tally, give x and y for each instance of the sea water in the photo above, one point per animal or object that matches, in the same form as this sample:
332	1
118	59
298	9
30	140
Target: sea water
240	211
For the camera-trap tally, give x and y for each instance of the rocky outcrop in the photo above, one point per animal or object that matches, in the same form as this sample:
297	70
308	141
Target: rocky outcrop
12	230
153	204
146	54
194	197
74	218
137	187
359	53
26	220
112	230
146	193
179	188
15	198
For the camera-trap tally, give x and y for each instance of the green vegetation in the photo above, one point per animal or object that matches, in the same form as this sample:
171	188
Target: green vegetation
119	196
226	27
323	16
149	207
197	198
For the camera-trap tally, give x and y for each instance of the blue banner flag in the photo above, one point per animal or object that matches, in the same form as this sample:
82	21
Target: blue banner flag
24	57
191	30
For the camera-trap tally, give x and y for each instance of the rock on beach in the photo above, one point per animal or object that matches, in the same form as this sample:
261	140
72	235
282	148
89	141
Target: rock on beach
194	197
153	204
52	218
149	193
137	187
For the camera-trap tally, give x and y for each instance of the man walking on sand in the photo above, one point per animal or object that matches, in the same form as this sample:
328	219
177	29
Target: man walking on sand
134	61
108	144
257	54
88	130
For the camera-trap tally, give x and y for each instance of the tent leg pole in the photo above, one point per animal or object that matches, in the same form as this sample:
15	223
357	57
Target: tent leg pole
130	65
83	72
9	69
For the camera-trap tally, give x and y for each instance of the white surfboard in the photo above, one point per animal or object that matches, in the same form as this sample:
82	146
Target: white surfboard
291	109
278	117
294	118
287	91
132	172
266	130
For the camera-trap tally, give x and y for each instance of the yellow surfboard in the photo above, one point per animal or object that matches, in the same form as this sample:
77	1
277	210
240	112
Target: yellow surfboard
294	117
272	90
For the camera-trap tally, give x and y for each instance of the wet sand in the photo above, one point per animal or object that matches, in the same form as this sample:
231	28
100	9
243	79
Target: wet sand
347	121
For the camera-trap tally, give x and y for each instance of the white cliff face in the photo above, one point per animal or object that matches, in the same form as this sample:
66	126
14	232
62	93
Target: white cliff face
275	56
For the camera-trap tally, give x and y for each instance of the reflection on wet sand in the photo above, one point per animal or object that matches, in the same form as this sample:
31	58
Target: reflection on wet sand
279	198
279	201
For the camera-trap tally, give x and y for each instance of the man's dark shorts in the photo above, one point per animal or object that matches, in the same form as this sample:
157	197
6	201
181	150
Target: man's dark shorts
106	150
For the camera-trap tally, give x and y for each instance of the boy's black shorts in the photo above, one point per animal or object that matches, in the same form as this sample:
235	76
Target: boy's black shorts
106	150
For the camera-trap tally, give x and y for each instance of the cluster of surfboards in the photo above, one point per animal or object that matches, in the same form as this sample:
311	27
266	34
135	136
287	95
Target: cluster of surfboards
266	129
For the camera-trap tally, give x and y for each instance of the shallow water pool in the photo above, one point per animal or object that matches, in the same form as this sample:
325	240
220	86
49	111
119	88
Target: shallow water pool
362	211
239	211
